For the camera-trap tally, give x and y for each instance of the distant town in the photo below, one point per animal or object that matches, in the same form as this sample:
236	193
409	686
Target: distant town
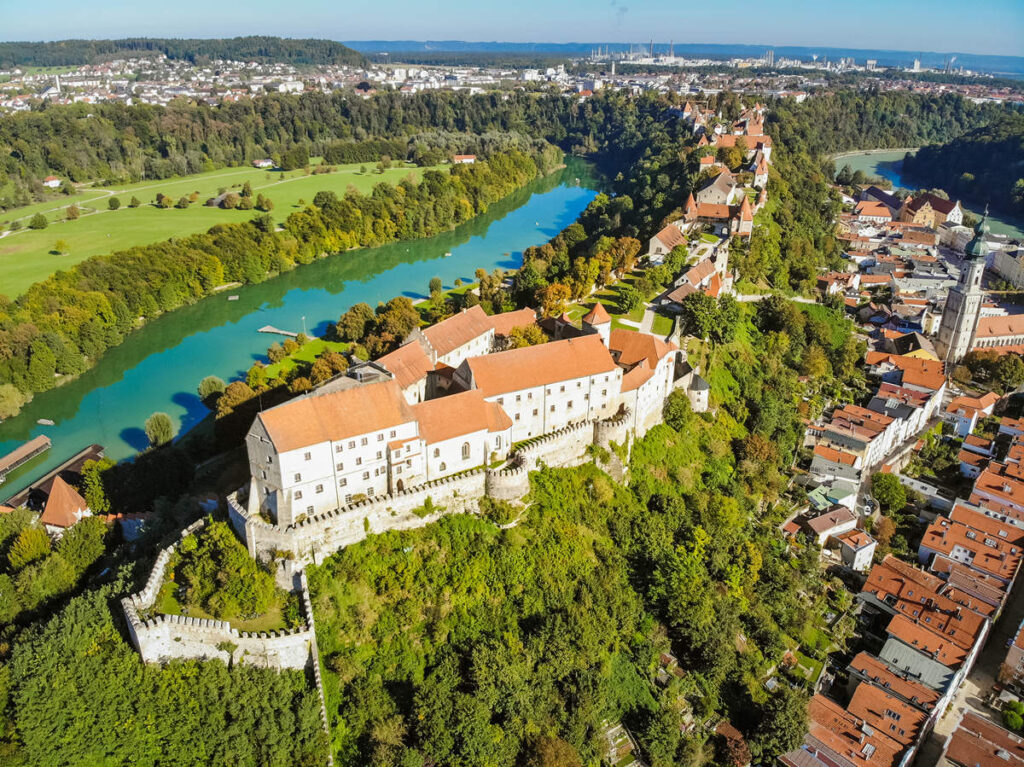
159	80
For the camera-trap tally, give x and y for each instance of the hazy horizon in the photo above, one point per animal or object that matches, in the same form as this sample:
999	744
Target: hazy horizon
994	28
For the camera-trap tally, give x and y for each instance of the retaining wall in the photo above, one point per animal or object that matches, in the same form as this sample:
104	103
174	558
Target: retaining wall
163	637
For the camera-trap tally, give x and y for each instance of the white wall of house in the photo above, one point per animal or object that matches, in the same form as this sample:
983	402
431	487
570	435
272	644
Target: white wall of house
543	409
477	347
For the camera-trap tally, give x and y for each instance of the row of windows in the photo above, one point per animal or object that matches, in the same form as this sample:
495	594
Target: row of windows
362	441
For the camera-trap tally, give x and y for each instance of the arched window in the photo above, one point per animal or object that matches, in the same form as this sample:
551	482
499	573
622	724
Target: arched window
443	466
465	451
437	452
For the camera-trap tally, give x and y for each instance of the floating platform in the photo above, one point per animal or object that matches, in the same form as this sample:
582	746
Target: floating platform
277	331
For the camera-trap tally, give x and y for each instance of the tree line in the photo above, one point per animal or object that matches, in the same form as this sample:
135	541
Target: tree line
261	49
61	325
985	164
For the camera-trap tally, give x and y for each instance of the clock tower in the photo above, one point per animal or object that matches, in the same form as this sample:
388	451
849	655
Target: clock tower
963	304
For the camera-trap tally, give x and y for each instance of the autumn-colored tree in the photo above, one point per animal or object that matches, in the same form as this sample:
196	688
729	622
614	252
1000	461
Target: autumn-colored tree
553	298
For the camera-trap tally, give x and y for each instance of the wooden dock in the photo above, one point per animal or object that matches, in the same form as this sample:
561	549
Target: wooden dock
23	454
277	331
40	489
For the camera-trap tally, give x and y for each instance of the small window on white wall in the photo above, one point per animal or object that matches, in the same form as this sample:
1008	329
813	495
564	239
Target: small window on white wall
443	466
437	452
308	456
465	451
298	495
309	509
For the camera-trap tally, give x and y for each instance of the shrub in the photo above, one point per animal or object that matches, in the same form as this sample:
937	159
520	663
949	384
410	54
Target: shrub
38	221
31	544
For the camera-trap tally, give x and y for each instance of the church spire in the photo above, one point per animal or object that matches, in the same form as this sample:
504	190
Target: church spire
978	247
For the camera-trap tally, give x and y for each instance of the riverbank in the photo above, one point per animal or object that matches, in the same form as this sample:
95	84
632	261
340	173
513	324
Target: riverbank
888	164
158	367
869	152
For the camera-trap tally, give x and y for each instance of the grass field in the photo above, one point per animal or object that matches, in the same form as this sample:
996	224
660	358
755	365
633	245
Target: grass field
272	620
306	354
28	256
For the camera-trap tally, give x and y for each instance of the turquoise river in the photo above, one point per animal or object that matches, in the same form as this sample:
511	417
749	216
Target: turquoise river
158	367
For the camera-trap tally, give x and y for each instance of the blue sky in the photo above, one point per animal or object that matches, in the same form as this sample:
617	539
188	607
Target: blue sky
981	26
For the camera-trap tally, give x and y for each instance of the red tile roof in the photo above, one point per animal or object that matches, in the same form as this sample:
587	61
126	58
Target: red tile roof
458	414
976	742
535	366
360	410
64	505
629	348
458	330
408	363
883	676
505	322
671	236
886	713
598	315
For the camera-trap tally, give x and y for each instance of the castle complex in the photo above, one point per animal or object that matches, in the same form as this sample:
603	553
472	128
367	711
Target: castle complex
435	413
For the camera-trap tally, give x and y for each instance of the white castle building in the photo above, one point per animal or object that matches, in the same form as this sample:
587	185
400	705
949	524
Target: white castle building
335	447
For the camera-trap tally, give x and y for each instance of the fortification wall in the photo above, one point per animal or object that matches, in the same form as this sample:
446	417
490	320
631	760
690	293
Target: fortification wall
162	637
317	537
565	447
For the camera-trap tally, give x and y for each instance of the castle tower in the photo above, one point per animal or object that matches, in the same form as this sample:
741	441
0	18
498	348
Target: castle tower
597	320
963	304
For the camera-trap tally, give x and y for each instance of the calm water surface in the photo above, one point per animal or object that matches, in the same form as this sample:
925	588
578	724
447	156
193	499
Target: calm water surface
158	367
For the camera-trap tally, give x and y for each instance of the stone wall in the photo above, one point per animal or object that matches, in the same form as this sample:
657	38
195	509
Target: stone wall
316	538
161	637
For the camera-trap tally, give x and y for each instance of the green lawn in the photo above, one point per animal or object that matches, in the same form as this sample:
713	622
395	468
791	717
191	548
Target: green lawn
809	667
306	354
663	325
27	256
709	238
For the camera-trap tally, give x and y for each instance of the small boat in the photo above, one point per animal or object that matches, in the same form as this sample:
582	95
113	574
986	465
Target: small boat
447	254
45	422
232	298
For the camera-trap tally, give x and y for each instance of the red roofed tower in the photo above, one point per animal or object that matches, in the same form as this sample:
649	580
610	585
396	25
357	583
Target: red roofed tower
598	321
746	218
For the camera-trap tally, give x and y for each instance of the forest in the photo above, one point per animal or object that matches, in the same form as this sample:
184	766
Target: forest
985	165
265	50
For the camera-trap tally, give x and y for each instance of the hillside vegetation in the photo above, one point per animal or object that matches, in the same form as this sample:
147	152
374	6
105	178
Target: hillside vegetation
265	50
985	165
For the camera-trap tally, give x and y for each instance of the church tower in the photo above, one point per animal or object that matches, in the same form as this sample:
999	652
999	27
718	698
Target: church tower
963	304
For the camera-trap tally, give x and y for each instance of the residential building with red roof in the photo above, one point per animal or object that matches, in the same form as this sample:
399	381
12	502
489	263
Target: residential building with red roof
964	412
977	742
837	738
64	507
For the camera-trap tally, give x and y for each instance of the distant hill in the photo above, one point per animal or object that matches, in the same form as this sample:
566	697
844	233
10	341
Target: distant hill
261	49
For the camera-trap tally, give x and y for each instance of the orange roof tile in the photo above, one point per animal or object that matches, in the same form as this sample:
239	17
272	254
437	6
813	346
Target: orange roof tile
64	505
976	742
458	414
535	366
671	236
886	713
598	315
629	348
458	330
330	417
408	363
836	456
882	675
505	322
